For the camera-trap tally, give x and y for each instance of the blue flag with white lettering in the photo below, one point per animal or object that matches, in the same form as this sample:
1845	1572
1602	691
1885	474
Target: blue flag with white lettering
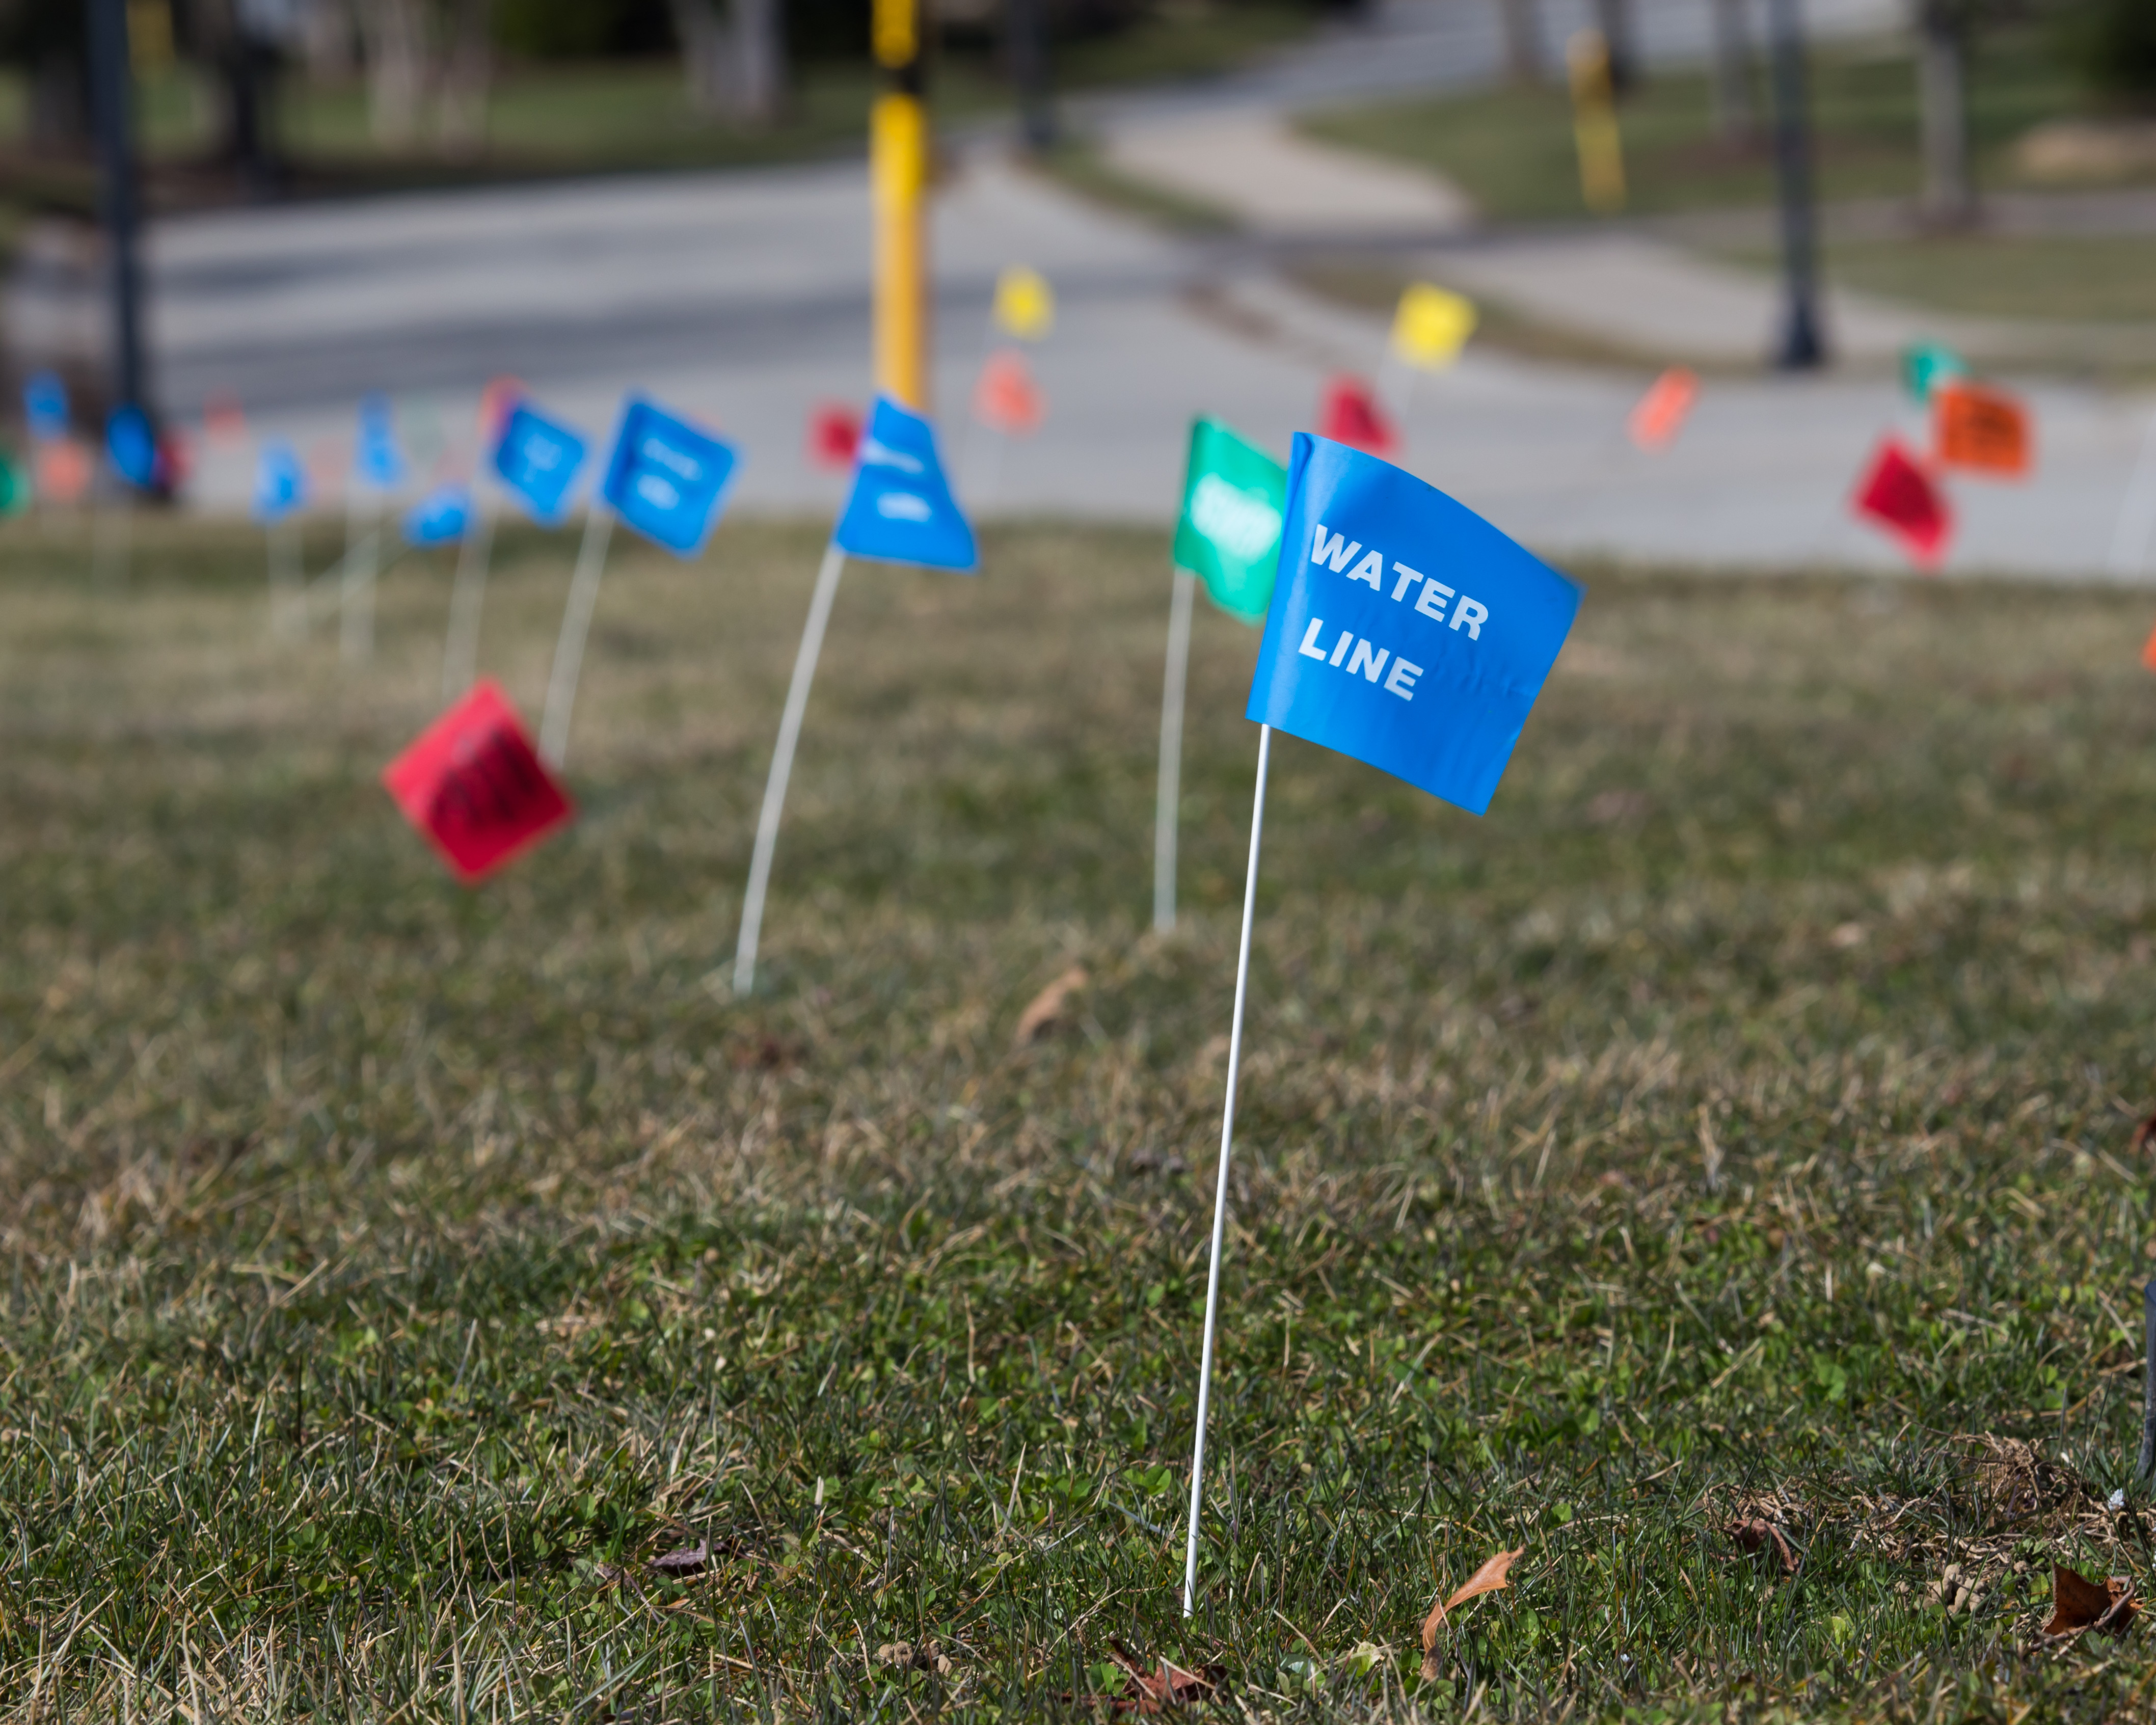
1405	630
537	459
900	509
280	481
440	517
666	479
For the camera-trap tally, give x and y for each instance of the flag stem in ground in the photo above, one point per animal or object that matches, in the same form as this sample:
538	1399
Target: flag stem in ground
111	543
576	624
460	645
288	586
781	765
356	587
1220	1179
1167	812
2137	514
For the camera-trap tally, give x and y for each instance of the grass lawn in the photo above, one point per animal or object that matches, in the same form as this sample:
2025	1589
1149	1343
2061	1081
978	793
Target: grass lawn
547	118
1732	1130
2098	279
1512	150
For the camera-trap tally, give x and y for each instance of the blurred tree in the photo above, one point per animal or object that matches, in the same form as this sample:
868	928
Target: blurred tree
423	57
1523	40
735	63
2114	42
1735	119
1943	29
45	38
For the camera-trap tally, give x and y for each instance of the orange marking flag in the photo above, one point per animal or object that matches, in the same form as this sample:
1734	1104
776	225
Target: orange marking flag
1985	429
1006	400
473	785
1661	412
2149	651
60	470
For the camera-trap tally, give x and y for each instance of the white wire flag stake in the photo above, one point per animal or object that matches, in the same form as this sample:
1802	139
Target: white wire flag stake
576	625
467	597
782	764
1220	1179
1426	679
899	510
2137	513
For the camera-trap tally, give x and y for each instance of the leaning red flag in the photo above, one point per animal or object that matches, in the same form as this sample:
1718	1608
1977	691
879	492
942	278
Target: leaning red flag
2149	651
473	784
1661	412
1350	414
1897	494
835	433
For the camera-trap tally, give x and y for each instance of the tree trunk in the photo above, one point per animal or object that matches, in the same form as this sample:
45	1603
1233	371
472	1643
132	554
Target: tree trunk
467	77
1523	40
1736	121
759	94
327	44
698	28
396	36
1949	196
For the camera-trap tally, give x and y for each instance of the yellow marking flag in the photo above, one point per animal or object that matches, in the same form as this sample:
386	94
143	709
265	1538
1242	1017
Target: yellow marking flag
1432	326
1025	303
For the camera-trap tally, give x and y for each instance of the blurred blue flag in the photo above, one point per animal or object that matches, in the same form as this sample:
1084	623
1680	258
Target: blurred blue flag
132	445
281	482
440	517
667	479
900	509
537	459
1405	630
45	406
377	459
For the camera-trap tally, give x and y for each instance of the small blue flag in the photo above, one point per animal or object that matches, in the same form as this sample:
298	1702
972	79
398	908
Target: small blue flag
666	479
440	517
1405	630
281	482
377	459
900	509
537	459
45	406
132	445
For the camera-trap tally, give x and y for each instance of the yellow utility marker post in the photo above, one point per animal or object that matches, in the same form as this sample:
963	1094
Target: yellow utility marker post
1594	123
898	182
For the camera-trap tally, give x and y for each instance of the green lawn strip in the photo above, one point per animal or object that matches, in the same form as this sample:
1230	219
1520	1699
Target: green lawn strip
2062	279
1512	150
1732	1126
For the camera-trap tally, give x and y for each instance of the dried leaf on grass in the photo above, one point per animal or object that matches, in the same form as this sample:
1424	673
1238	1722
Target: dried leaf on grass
2145	1135
1492	1576
1749	1534
2078	1604
1044	1012
1146	1691
683	1559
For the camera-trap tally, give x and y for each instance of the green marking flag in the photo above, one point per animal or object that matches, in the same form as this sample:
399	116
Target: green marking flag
15	485
1926	365
1234	496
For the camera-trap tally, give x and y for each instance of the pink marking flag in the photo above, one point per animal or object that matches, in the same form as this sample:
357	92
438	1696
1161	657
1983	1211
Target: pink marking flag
834	433
473	784
1898	494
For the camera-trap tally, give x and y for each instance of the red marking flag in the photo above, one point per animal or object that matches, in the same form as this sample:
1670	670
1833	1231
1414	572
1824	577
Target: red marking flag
1006	400
1661	412
1984	429
1350	414
834	433
2149	651
474	786
1897	494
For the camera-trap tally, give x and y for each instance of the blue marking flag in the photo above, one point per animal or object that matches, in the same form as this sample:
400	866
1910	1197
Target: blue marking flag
537	459
132	445
667	479
440	517
45	406
281	482
377	459
901	510
1405	630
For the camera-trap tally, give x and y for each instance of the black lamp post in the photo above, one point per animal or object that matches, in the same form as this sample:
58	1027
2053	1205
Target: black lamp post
1028	23
1802	345
110	106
